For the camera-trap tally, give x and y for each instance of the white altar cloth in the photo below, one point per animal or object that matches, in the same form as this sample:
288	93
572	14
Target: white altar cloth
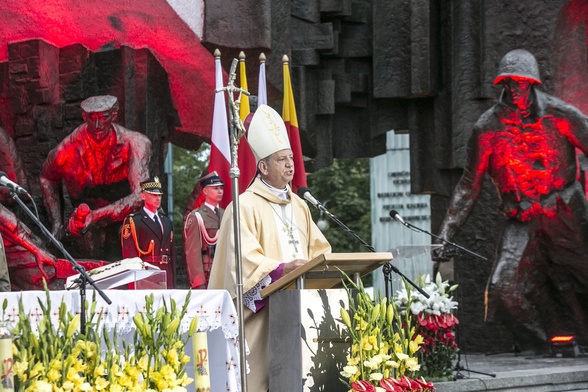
214	308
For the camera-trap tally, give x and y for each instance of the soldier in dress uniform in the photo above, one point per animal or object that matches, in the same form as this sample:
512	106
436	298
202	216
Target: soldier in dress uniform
148	233
200	230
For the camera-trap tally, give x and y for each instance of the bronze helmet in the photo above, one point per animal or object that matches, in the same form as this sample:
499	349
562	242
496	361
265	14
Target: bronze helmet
521	63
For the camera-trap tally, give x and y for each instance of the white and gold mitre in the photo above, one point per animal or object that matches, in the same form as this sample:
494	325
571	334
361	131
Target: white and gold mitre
267	133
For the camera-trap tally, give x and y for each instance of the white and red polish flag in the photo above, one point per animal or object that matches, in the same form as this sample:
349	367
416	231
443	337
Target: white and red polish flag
220	150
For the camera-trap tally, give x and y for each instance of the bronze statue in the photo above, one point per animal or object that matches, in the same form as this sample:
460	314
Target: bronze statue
23	249
102	165
526	145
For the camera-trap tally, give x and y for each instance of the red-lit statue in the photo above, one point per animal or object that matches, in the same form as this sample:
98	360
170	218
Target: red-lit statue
526	144
22	247
102	165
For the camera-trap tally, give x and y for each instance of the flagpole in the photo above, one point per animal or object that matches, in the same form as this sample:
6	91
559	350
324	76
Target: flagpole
291	121
237	130
261	83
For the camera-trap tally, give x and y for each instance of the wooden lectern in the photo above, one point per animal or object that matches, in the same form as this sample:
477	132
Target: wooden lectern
306	350
324	271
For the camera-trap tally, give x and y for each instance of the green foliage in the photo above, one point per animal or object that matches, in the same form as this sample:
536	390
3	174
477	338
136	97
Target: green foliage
344	189
188	166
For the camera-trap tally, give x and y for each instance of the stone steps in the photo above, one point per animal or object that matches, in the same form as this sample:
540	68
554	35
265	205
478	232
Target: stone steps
529	374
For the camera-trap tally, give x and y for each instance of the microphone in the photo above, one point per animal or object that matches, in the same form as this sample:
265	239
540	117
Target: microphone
395	215
304	193
5	181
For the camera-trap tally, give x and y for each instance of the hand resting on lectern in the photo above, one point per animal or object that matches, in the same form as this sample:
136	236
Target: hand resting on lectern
291	266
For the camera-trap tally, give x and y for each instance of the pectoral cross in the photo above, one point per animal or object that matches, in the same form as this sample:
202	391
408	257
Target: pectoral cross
289	230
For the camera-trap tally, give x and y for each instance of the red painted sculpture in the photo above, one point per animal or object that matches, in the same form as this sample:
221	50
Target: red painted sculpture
23	249
526	144
102	165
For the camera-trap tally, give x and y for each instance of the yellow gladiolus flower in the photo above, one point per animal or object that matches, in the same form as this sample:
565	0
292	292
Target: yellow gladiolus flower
185	380
365	344
37	369
390	314
352	361
19	368
178	345
185	360
415	344
345	317
99	370
73	376
375	313
143	363
101	384
172	358
132	371
53	375
73	327
362	326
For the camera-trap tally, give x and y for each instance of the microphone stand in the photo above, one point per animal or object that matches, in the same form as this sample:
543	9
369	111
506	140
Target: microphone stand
413	227
387	267
237	130
458	365
84	277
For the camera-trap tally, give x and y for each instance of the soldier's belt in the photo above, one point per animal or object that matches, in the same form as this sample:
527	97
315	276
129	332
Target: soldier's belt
163	259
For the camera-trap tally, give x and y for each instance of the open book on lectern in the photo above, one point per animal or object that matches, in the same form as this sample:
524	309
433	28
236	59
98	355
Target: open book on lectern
323	272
